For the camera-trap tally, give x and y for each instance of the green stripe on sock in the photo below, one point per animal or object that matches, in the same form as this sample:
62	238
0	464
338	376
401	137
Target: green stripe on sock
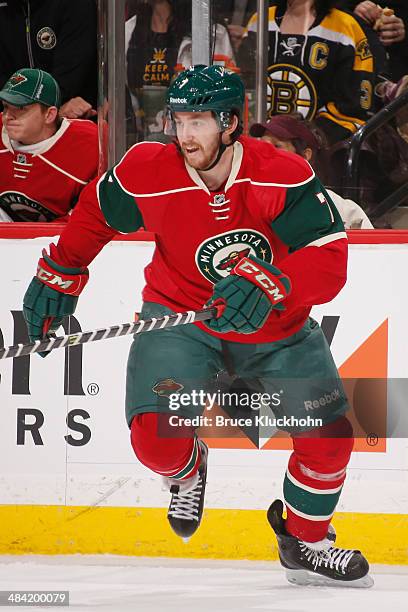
313	504
190	464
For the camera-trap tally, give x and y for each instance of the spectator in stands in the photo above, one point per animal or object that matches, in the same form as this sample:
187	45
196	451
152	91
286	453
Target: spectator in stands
153	37
234	14
292	133
45	161
389	18
158	43
58	36
320	64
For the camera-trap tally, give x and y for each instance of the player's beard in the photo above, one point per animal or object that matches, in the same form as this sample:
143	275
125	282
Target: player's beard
201	159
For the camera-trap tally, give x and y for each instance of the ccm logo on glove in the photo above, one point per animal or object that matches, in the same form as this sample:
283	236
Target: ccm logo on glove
65	280
52	279
270	285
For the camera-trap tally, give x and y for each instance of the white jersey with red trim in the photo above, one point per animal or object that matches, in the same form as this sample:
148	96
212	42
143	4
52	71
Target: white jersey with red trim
42	182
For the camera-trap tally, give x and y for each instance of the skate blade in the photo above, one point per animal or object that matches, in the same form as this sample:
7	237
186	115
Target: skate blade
186	540
305	578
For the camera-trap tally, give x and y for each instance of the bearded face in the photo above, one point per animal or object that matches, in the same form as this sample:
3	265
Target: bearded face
198	135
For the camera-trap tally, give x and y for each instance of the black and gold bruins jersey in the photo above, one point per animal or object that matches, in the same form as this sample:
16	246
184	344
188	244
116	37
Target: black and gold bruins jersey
327	74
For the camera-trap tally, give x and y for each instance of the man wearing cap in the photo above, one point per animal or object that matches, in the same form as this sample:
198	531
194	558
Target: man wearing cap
45	162
292	133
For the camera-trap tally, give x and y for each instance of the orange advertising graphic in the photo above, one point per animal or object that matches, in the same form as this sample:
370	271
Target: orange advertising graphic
364	375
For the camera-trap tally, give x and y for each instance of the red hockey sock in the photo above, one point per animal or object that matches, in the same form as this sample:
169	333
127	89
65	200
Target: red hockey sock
314	478
170	451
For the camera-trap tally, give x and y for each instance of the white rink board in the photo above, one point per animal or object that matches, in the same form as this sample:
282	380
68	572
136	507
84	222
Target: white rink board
104	471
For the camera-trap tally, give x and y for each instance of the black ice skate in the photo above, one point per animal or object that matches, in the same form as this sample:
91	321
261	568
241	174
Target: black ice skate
306	566
187	499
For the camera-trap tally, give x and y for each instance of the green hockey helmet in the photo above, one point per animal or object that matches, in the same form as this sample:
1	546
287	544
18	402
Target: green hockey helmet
206	88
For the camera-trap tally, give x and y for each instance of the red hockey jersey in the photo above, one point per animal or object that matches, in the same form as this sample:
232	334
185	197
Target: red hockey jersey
272	206
45	184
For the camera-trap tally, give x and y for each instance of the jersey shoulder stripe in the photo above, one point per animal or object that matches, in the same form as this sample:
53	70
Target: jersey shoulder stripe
74	153
61	170
150	170
266	165
343	23
346	28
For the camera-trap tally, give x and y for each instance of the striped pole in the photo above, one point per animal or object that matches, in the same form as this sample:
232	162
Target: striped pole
138	327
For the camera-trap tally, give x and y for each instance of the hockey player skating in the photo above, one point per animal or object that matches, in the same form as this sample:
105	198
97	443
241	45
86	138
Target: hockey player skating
211	198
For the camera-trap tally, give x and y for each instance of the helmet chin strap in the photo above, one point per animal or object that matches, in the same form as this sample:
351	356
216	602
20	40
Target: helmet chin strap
221	150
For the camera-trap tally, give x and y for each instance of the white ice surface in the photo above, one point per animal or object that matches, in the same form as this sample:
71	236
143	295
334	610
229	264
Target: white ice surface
116	584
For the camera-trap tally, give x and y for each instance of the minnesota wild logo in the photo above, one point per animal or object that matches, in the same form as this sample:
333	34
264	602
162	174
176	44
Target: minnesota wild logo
22	208
17	79
167	386
216	256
